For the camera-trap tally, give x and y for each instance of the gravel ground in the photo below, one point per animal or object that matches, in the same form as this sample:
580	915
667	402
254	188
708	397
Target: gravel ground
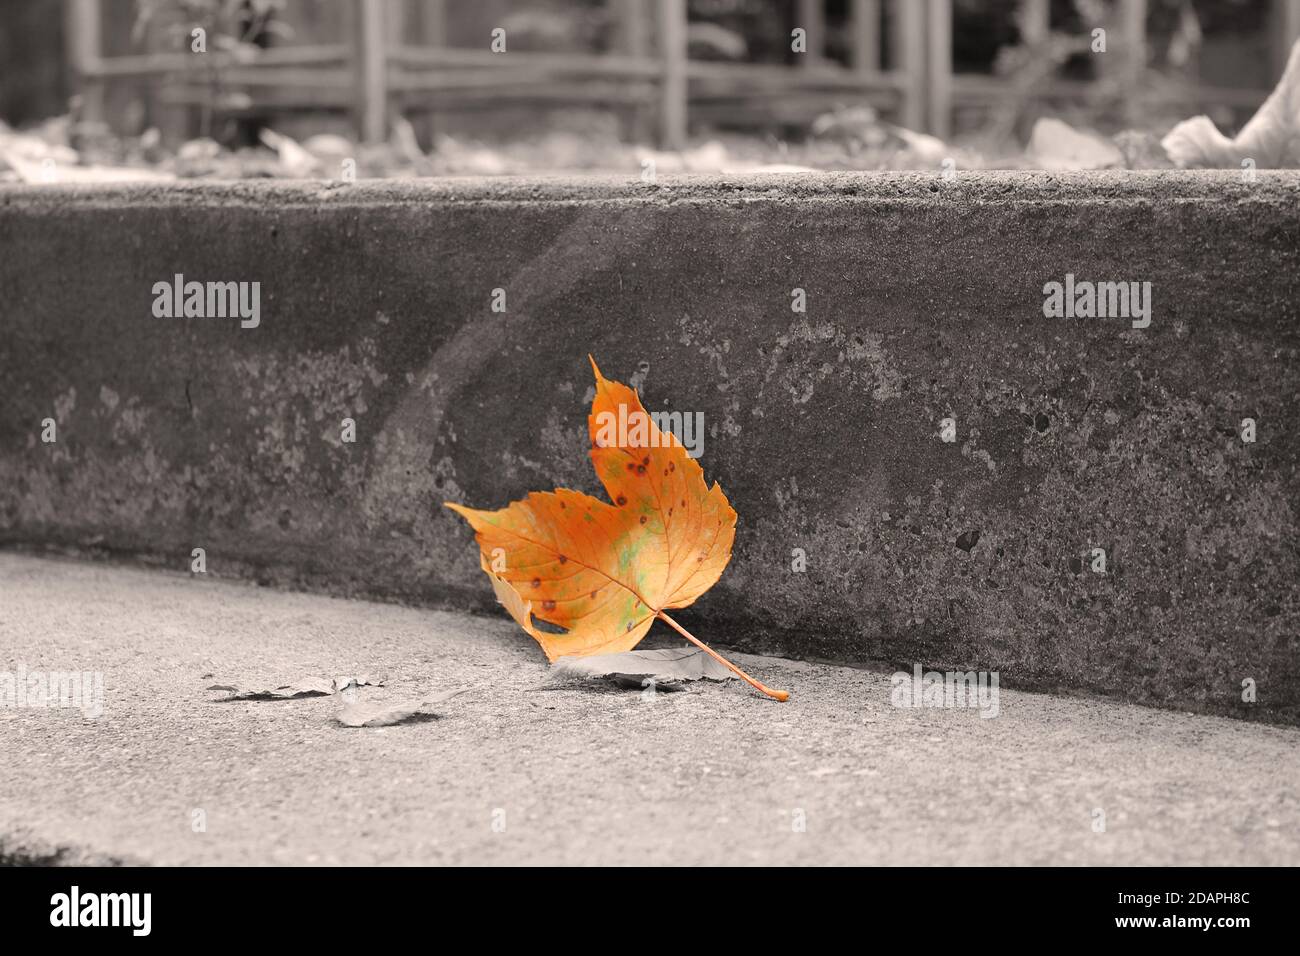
521	771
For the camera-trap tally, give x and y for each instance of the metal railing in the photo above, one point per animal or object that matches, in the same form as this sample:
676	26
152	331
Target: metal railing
374	75
380	72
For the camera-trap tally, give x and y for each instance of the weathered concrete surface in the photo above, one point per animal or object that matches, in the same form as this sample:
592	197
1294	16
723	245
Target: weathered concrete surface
719	774
924	301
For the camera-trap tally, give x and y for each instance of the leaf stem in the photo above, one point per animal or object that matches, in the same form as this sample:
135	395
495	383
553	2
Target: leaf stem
757	685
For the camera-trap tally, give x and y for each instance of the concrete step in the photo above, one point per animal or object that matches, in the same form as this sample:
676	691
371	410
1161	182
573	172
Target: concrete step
514	774
924	302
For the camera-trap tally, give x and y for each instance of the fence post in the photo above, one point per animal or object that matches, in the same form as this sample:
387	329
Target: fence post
864	24
907	39
811	17
1133	47
85	48
430	31
372	72
632	40
673	92
939	67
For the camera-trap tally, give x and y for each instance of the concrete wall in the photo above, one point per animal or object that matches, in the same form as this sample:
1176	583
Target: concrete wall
924	301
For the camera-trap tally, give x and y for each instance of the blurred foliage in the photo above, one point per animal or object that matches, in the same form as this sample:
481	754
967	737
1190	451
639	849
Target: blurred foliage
238	28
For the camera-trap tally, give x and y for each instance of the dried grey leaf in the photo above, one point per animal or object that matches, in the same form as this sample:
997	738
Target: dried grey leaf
668	668
309	687
365	680
356	714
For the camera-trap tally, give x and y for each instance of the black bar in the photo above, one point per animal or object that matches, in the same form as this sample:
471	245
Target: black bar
347	906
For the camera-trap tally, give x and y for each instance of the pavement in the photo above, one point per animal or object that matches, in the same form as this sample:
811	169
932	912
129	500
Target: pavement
520	769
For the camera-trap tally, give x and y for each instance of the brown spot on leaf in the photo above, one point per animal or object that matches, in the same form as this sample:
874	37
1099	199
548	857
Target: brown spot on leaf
621	500
537	582
640	469
643	519
672	466
548	605
564	559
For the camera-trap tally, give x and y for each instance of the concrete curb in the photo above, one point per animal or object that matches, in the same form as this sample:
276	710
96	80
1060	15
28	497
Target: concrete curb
924	302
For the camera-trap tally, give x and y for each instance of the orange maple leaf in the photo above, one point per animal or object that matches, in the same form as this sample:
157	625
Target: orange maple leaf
605	571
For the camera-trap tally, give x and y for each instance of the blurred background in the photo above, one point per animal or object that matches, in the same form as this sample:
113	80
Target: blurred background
436	87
